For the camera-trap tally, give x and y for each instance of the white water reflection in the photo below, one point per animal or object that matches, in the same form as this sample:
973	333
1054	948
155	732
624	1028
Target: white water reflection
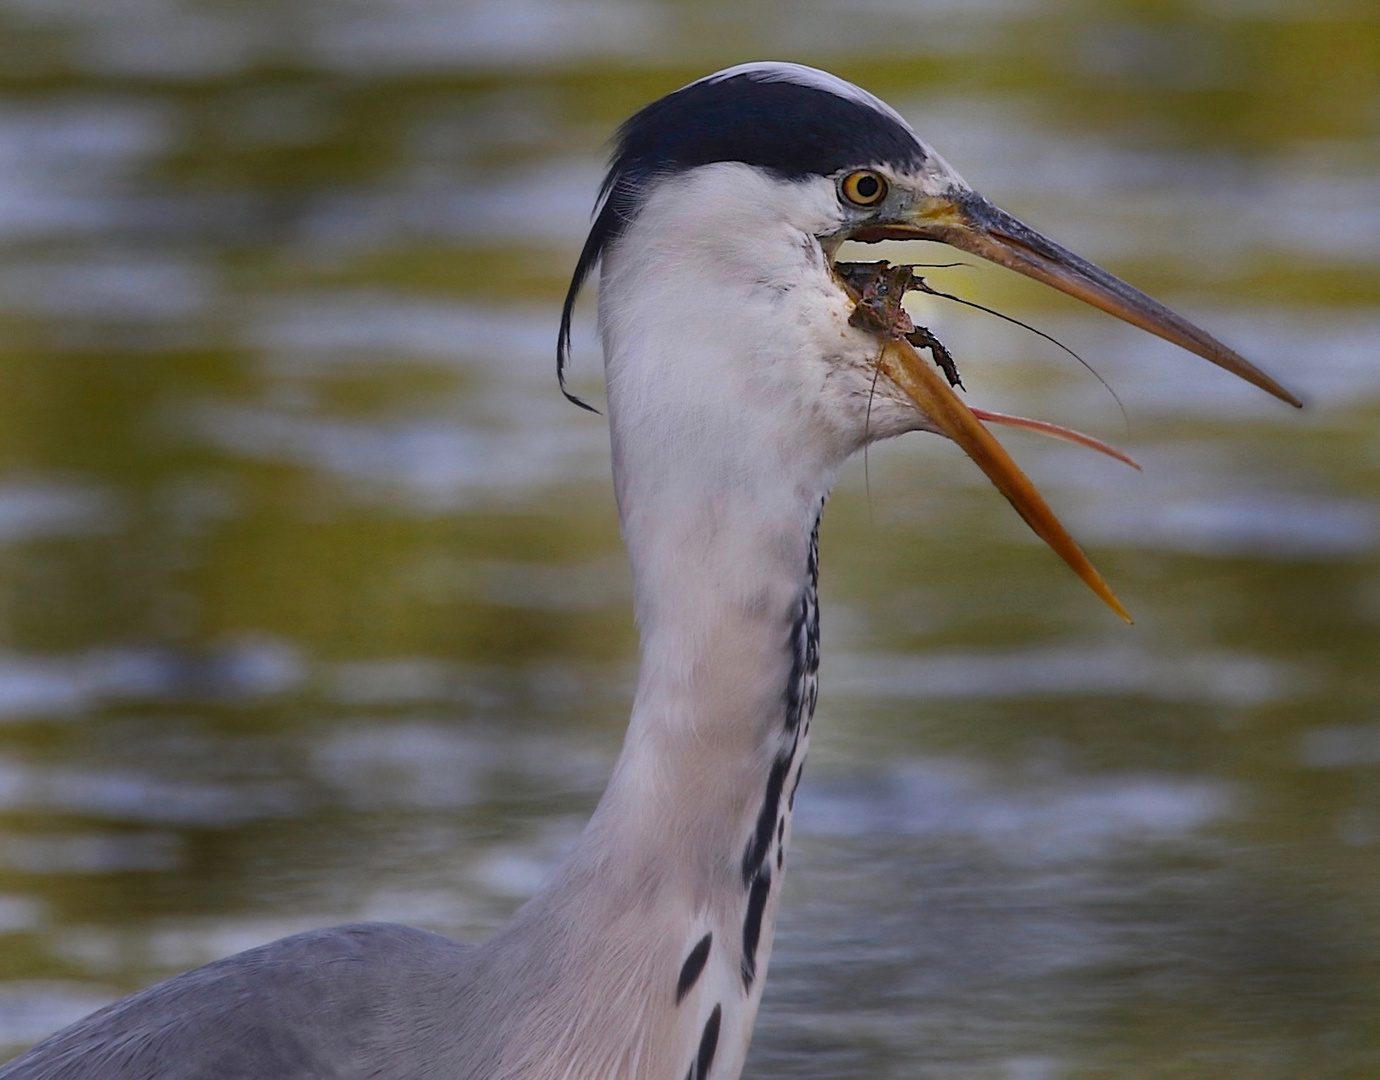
552	203
112	288
1064	671
30	509
1052	819
391	34
321	330
131	796
441	764
19	913
66	165
33	1008
409	764
428	466
248	667
414	680
1262	526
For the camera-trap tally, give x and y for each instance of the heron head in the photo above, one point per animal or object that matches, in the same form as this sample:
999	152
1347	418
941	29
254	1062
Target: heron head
764	145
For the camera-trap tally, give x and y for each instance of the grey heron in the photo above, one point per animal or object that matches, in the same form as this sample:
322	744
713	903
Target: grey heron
737	386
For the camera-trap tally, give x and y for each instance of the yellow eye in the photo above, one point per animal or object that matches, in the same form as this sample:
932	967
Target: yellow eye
864	187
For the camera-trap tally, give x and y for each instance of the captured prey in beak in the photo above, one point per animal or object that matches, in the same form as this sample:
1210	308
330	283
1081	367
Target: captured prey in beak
961	218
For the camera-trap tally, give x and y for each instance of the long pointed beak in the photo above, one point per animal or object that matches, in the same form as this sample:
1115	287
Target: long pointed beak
923	384
965	220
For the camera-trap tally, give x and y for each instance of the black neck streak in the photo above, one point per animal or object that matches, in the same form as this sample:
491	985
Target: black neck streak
798	706
694	964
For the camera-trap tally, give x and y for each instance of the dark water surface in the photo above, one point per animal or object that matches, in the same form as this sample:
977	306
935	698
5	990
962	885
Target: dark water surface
312	603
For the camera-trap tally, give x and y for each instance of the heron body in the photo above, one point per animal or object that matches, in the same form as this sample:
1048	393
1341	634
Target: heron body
736	390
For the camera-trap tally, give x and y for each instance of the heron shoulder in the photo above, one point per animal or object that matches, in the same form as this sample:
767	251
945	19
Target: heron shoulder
317	1003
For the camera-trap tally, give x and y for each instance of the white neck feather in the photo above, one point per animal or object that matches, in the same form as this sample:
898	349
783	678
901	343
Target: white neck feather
722	456
730	420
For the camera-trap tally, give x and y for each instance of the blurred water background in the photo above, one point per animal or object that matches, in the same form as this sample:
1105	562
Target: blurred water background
312	602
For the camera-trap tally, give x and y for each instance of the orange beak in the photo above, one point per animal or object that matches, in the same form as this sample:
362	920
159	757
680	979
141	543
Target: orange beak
928	389
965	220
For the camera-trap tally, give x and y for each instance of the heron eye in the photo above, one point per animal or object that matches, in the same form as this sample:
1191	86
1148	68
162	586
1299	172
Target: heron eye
864	188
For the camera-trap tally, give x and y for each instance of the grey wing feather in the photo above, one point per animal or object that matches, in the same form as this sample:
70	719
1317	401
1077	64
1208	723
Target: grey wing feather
368	1000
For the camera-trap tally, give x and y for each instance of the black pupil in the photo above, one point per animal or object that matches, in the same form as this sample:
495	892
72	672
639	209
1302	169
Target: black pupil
867	187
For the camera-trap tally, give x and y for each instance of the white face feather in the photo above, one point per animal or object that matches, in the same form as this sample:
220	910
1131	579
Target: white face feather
725	332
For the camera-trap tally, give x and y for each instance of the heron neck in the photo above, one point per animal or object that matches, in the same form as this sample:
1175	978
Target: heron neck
725	596
685	853
722	461
652	938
